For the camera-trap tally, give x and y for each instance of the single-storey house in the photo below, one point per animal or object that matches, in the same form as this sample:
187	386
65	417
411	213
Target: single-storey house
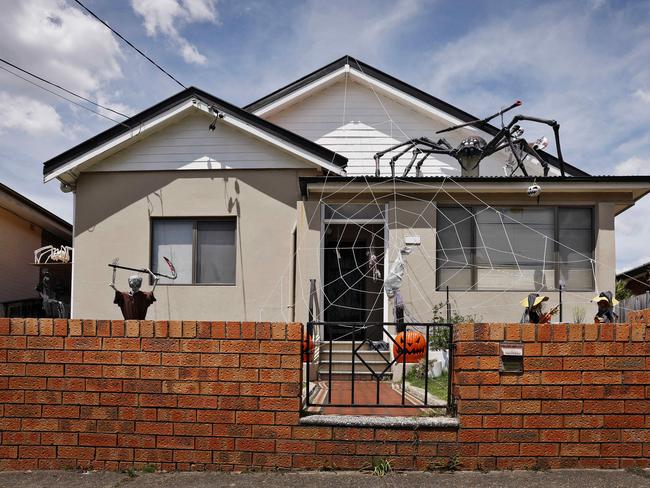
25	227
251	204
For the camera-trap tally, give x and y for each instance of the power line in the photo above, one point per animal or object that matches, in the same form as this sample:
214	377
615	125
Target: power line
61	88
65	98
129	43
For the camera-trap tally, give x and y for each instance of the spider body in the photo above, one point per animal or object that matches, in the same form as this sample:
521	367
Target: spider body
473	149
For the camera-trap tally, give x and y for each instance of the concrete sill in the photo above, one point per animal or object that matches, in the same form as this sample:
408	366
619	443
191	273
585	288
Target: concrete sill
391	422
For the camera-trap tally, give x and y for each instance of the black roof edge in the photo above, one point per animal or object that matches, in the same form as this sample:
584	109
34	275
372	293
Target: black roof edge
629	274
35	206
193	92
305	180
399	85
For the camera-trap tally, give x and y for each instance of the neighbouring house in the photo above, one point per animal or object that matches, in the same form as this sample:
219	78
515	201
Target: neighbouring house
636	280
25	227
253	203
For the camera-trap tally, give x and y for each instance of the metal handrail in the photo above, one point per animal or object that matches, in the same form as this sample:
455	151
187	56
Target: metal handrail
313	326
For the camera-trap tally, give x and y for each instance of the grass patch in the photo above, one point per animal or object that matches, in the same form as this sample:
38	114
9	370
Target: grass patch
436	386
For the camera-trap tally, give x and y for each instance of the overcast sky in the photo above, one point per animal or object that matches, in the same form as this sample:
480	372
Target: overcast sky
584	63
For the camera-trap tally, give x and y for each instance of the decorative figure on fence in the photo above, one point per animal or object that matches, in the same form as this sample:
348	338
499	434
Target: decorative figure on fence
606	303
473	149
307	347
411	344
134	304
51	295
51	254
534	311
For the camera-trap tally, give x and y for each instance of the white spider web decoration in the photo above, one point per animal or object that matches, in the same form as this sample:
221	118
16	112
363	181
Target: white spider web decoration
363	240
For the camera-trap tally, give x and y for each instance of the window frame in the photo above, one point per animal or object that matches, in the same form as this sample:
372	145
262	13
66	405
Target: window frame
556	245
194	221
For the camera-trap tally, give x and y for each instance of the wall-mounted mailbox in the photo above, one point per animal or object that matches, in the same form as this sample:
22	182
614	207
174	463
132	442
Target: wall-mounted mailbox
512	358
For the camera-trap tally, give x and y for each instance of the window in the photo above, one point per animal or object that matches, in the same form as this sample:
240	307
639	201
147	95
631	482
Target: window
481	248
203	251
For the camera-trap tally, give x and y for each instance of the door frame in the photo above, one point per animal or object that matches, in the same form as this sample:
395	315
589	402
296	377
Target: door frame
321	252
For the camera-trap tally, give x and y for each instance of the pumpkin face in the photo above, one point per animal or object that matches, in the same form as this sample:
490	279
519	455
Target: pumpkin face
413	342
307	348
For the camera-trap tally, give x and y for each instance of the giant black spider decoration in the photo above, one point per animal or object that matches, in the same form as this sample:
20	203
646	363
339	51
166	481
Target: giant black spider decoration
473	149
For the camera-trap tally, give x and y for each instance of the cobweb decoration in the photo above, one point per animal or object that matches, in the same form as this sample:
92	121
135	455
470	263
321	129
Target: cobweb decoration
479	247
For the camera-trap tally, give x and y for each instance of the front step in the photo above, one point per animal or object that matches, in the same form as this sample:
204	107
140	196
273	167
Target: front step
341	363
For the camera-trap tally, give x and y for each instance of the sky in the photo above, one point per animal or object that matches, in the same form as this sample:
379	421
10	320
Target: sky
584	63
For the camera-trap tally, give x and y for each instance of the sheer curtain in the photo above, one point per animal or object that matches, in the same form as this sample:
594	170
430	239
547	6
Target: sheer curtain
173	239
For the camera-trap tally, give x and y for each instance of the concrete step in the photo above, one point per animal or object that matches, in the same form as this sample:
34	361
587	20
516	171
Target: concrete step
344	346
359	367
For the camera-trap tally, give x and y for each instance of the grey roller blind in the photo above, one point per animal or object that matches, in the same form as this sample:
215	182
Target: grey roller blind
575	234
215	252
454	248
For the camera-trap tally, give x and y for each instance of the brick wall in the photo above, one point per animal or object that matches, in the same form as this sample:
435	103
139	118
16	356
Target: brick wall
177	395
215	395
582	401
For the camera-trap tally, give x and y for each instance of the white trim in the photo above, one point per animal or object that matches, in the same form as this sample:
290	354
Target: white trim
386	89
265	136
305	90
74	254
120	141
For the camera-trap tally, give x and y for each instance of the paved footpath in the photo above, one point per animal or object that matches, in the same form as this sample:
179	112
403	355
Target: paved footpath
527	479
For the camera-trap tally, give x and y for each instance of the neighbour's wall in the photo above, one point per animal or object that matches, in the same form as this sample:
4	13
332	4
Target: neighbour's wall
18	240
217	395
112	219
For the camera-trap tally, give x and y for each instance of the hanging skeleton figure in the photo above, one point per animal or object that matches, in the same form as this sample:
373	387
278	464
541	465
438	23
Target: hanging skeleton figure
473	149
373	262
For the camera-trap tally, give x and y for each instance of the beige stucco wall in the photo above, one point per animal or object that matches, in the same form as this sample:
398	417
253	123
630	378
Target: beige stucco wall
18	240
113	211
112	216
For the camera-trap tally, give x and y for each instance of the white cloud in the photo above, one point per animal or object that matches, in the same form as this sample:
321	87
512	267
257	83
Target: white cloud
643	95
633	166
26	114
167	16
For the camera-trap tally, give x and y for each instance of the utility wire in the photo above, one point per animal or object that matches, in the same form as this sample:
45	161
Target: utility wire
129	43
61	88
61	96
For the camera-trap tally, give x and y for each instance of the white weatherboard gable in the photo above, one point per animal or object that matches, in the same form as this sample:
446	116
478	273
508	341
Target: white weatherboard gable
179	139
189	145
357	116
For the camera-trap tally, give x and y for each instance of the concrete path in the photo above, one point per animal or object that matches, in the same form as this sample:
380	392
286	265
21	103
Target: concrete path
528	479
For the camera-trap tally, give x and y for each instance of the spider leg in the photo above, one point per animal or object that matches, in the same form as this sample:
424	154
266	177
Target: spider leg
418	167
556	131
378	155
416	152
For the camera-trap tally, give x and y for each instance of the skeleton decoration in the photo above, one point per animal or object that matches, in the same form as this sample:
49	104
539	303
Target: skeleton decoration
373	262
51	254
134	304
473	149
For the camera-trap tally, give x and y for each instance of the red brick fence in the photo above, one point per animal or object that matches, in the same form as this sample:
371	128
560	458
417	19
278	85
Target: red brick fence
214	395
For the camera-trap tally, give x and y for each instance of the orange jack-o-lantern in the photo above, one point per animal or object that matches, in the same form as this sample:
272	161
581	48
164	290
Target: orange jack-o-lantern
307	348
415	346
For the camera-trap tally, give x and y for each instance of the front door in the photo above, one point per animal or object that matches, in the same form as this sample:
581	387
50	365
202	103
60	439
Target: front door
352	292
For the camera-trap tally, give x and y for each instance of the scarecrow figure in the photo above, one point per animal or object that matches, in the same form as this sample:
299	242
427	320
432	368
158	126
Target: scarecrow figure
606	303
134	304
534	313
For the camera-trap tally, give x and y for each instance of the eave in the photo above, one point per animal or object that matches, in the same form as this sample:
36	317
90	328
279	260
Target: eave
623	191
